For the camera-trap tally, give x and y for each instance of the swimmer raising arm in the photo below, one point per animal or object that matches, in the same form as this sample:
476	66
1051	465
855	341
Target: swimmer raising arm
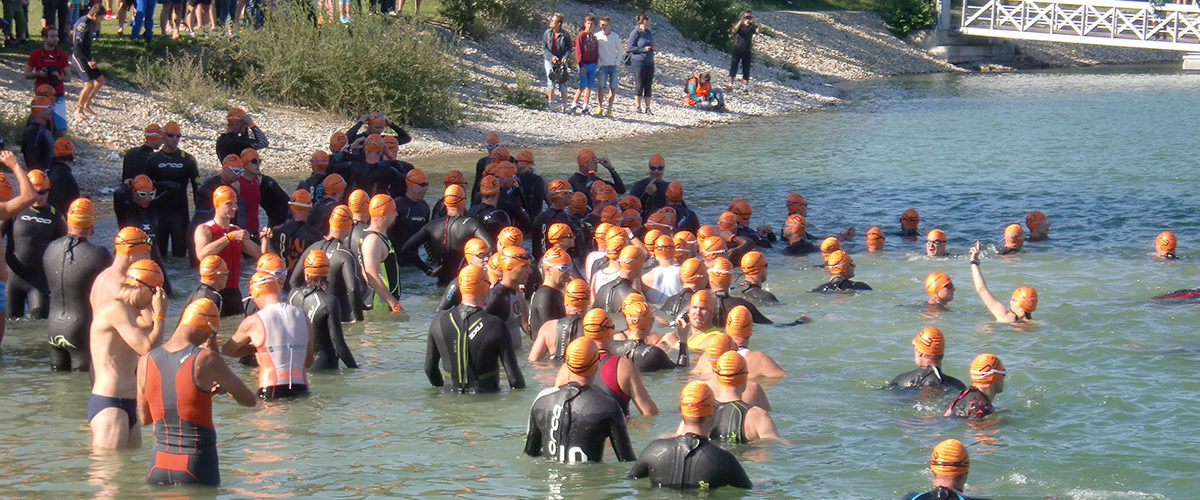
1023	302
25	195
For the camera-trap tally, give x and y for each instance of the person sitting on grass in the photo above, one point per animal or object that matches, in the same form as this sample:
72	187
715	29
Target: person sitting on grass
701	93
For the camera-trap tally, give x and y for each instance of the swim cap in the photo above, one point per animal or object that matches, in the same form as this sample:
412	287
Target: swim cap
837	260
505	169
6	189
875	237
829	245
718	344
795	202
63	147
936	281
235	114
152	132
44	90
141	182
929	341
131	240
319	158
381	205
1034	219
583	157
1165	242
613	245
720	273
702	297
628	202
556	256
557	188
514	257
741	208
664	247
727	221
453	196
145	273
1013	233
454	177
374	143
658	220
601	233
949	458
909	219
202	314
696	400
223	195
558	232
248	155
753	263
492	140
232	161
81	213
579	202
986	369
475	247
712	246
631	219
675	191
40	102
656	160
631	258
500	153
637	315
213	268
739	323
272	264
731	369
936	235
471	281
797	224
525	157
391	143
670	215
692	270
171	128
685	245
316	263
358	202
510	236
333	184
582	355
263	284
606	193
488	185
610	215
301	201
340	218
41	182
597	325
576	293
1026	297
493	267
650	238
705	231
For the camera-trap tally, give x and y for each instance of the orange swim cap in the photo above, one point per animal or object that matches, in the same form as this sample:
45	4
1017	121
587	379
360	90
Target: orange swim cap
301	201
556	256
930	341
741	208
702	297
248	155
525	157
557	233
936	281
664	247
720	273
381	205
232	161
1013	233
675	191
272	264
416	176
949	458
753	263
558	188
213	268
144	273
1026	298
505	169
685	245
513	257
658	221
583	156
739	323
613	245
629	202
472	281
1034	219
263	284
337	141
582	355
637	315
692	270
153	132
341	218
607	193
492	140
656	160
374	144
454	177
597	325
796	223
316	263
41	182
727	221
140	182
712	246
705	231
577	294
610	215
909	219
202	314
223	195
81	213
731	369
391	143
718	344
837	260
696	400
171	128
500	153
359	202
453	196
986	369
319	158
489	185
795	202
1165	242
631	258
235	114
334	184
579	202
650	238
936	235
475	247
829	245
510	236
669	213
875	238
63	147
131	240
40	102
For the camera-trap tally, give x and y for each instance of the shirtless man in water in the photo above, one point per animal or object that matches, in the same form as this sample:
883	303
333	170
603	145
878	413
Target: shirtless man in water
130	245
123	328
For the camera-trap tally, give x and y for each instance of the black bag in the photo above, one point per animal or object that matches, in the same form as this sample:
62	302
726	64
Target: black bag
560	73
626	60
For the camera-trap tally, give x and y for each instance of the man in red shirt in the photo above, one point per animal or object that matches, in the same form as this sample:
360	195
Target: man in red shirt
587	54
48	66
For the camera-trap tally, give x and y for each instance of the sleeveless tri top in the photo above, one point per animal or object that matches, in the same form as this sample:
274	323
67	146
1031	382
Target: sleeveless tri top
285	345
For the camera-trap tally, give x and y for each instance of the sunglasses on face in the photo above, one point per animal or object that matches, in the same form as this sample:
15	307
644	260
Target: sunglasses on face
657	169
254	161
422	184
173	136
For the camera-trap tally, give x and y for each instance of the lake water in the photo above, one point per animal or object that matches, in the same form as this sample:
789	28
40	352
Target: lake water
1097	403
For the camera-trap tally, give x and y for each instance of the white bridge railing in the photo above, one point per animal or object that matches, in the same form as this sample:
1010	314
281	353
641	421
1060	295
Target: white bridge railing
1099	22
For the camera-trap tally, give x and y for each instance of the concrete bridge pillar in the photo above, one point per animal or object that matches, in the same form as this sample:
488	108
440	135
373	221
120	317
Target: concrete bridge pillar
1191	61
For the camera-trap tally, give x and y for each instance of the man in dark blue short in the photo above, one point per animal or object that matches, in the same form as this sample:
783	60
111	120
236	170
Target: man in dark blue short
86	29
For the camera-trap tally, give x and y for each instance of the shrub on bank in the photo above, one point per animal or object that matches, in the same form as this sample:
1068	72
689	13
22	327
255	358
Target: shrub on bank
705	21
478	18
906	16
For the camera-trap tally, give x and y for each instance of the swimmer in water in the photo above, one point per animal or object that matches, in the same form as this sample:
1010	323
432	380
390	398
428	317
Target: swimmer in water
127	325
735	421
72	264
469	343
221	237
841	269
690	460
324	313
26	237
695	326
554	335
290	239
129	245
271	264
446	237
754	273
609	268
1039	226
928	348
379	260
547	301
173	393
505	300
940	290
987	380
752	393
328	194
739	327
1164	246
475	253
875	239
950	464
720	275
279	336
794	230
315	182
663	280
694	276
629	280
412	213
619	377
213	273
935	243
1020	307
908	223
342	282
642	346
830	245
1014	239
173	171
570	423
561	236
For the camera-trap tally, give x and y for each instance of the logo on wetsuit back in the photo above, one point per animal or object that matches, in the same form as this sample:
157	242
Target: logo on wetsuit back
39	220
475	328
570	455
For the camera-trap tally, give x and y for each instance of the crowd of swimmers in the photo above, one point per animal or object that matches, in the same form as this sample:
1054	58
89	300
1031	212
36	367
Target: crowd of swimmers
559	263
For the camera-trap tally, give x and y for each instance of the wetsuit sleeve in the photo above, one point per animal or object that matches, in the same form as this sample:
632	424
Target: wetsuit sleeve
512	369
619	435
273	201
432	357
640	469
417	239
481	233
402	136
193	177
757	315
260	141
336	336
352	134
533	435
350	278
736	475
296	280
618	184
447	299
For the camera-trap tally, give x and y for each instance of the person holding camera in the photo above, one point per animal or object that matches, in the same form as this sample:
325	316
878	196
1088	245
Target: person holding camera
48	66
743	32
557	45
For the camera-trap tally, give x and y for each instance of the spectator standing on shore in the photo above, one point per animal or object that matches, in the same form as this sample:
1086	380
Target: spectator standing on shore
143	19
606	74
587	55
743	33
641	55
198	12
48	66
556	46
86	30
172	17
16	17
54	15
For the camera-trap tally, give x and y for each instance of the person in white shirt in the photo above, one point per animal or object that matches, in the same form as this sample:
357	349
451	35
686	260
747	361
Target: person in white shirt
606	74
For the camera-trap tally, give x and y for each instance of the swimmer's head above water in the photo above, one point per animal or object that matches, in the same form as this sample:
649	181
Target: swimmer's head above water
939	287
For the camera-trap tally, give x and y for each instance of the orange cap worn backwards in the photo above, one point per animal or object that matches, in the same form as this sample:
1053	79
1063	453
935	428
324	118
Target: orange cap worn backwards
631	258
316	264
930	342
557	188
263	284
416	176
333	184
248	155
1013	233
628	202
631	219
597	325
1165	242
738	323
337	141
1034	219
936	235
81	213
741	208
202	314
476	247
986	369
753	263
949	458
374	143
235	114
837	260
720	273
712	246
63	147
213	268
731	369
494	264
579	202
272	264
582	356
144	273
692	270
1026	298
696	400
557	233
664	247
454	177
40	102
675	191
576	293
153	132
936	281
637	315
472	281
583	157
359	202
319	159
381	205
727	221
525	157
510	236
718	344
131	240
301	200
909	219
797	224
453	196
41	182
223	195
829	245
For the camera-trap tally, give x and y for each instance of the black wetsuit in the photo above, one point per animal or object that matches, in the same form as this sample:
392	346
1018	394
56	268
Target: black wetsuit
129	213
292	239
233	144
583	183
315	185
318	216
687	461
754	293
926	376
685	218
971	404
468	342
273	200
344	282
841	285
64	189
411	216
324	312
541	225
729	422
650	202
512	202
647	358
568	328
611	295
508	305
134	163
481	165
446	237
939	493
678	304
492	218
402	137
26	237
358	231
173	173
71	265
389	269
723	303
546	304
379	178
801	247
1002	251
37	146
450	297
751	235
570	423
533	189
207	292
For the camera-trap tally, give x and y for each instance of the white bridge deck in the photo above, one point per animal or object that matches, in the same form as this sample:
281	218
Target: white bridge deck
1098	22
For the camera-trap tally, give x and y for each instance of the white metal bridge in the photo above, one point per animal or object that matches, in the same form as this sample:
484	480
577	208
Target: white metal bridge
1100	22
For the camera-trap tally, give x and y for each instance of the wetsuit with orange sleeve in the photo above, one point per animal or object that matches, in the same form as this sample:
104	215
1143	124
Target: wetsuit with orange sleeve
570	423
689	461
185	441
